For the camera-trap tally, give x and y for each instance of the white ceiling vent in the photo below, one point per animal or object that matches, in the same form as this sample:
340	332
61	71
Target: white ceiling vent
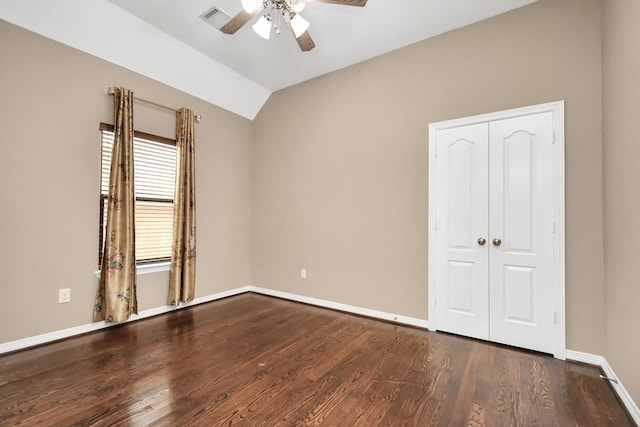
215	17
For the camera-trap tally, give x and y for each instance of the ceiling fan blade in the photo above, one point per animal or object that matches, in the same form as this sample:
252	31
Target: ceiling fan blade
358	3
238	21
305	42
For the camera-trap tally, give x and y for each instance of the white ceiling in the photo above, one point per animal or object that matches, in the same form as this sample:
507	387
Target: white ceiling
344	35
168	32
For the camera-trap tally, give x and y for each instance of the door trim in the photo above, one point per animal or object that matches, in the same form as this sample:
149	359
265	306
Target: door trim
557	110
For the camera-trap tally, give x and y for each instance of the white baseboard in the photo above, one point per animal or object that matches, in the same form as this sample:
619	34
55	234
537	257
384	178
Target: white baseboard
90	327
624	396
405	320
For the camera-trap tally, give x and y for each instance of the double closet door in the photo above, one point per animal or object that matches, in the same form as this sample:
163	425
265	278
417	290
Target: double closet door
495	226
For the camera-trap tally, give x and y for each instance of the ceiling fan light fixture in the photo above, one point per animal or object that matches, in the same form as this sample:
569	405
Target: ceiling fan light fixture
299	25
263	27
251	5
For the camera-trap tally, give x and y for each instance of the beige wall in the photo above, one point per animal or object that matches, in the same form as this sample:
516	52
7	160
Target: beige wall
340	162
621	72
53	98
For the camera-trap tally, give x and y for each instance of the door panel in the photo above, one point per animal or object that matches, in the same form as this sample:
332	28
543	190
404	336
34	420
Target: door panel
460	292
521	215
518	191
518	296
462	154
461	216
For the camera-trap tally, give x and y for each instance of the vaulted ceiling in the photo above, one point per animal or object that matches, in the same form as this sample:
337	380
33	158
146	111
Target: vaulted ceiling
168	41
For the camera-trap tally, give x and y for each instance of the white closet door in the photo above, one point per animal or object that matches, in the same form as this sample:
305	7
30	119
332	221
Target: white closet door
461	219
494	233
521	213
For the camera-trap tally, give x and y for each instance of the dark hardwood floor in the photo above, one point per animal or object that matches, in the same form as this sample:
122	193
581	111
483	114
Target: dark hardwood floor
252	360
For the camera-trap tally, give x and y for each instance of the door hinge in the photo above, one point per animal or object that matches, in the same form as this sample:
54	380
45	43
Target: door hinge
437	225
553	227
555	317
553	140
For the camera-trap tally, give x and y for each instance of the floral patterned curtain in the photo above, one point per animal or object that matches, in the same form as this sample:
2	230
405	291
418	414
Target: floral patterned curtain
116	299
182	279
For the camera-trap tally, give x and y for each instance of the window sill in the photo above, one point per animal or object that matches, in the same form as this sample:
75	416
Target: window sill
154	267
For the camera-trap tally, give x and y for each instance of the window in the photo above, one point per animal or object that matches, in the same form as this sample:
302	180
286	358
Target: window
155	169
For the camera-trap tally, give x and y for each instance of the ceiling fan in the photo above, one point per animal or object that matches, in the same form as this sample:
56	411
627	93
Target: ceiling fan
278	12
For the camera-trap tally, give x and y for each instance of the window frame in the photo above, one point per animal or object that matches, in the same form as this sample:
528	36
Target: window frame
146	265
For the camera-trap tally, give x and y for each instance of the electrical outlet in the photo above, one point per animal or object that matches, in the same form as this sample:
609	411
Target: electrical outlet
303	273
64	295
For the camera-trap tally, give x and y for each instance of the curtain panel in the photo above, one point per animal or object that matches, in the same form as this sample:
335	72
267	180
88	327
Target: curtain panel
182	278
116	298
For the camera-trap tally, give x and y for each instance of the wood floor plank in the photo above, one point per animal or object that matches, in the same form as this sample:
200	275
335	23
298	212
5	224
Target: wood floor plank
252	360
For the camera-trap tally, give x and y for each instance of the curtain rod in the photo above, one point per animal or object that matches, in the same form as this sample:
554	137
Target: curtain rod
110	91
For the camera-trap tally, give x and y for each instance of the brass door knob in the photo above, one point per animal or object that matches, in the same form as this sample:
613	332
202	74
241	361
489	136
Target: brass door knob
482	241
497	242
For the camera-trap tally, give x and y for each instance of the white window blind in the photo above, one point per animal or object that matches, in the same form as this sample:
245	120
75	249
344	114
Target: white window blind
155	168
